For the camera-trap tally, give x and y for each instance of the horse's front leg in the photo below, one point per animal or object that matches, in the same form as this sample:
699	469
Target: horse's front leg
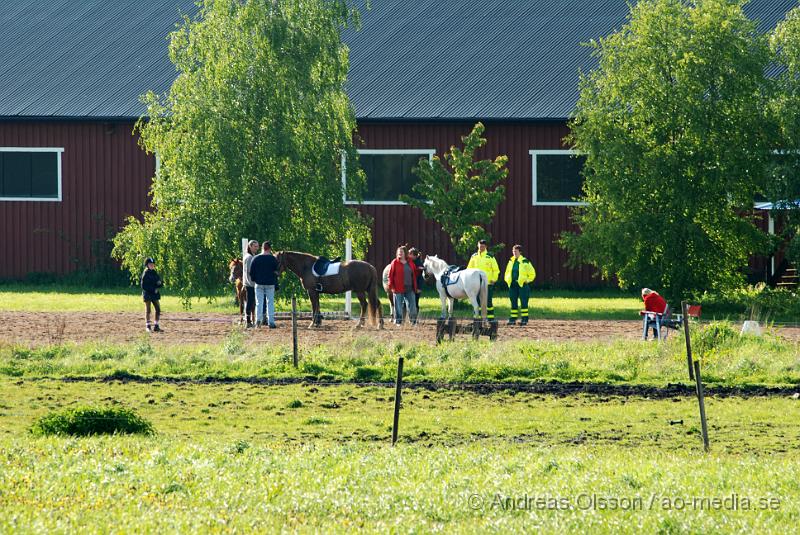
444	303
316	316
450	303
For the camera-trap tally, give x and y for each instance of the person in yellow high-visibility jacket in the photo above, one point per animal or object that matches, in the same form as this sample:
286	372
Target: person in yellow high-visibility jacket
486	262
520	273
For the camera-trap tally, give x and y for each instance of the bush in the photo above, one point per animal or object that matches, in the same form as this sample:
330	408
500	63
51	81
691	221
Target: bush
234	342
368	374
712	336
87	421
759	302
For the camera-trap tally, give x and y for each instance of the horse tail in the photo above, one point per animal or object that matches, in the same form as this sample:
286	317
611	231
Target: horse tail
374	298
484	295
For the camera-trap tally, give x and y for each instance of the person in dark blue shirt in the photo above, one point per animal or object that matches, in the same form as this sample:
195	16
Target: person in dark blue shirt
264	273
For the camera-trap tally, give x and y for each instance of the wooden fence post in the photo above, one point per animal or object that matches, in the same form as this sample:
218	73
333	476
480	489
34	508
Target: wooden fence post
295	356
397	388
685	312
701	403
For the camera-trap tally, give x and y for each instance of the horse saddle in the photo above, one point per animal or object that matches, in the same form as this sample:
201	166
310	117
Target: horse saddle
450	275
324	267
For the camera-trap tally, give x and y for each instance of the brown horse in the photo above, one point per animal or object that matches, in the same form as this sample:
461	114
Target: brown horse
356	276
237	279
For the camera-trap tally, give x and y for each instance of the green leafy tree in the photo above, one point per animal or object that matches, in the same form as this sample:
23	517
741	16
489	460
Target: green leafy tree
784	169
463	201
250	138
673	128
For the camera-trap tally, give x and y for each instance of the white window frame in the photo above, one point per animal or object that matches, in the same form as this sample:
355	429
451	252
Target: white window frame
421	152
59	151
534	201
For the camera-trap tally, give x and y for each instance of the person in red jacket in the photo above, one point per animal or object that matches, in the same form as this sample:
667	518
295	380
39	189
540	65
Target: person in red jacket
654	303
403	285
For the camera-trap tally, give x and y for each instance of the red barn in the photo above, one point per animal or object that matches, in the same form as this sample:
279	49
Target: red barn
422	74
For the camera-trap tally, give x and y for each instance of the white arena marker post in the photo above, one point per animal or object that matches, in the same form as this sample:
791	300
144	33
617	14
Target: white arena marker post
348	296
245	241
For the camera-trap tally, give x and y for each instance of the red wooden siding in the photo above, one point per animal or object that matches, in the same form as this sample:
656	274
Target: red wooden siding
105	178
517	221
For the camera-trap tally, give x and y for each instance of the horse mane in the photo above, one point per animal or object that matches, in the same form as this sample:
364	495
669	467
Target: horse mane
297	253
438	262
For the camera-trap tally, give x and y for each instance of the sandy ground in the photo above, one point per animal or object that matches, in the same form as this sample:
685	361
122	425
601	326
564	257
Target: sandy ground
31	328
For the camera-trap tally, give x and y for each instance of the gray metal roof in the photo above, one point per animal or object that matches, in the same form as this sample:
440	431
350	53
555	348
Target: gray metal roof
412	59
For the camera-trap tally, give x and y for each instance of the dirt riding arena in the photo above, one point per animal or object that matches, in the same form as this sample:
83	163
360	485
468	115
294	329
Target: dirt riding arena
32	328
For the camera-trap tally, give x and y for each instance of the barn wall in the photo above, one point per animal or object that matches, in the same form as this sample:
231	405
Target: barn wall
105	178
517	221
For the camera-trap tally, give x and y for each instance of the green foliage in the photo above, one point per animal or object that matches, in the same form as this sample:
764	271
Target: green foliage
86	421
250	138
784	177
234	342
673	127
759	302
362	361
463	201
711	336
793	250
316	420
239	447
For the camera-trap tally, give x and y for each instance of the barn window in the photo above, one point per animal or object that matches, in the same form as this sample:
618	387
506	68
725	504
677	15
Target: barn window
30	174
557	178
388	173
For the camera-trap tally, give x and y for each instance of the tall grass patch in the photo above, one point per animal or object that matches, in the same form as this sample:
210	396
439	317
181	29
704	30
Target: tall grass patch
88	421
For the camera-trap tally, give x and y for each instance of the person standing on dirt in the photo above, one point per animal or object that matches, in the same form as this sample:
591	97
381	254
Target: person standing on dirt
486	262
151	284
403	285
249	285
263	273
414	257
520	273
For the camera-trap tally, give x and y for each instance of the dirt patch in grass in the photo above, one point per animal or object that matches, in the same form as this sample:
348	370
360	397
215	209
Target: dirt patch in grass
556	389
36	328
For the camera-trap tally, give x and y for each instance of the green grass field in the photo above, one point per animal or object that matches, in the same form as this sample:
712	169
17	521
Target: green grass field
728	359
231	454
242	457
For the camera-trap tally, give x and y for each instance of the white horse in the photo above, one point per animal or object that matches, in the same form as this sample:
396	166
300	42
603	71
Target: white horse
390	297
470	283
